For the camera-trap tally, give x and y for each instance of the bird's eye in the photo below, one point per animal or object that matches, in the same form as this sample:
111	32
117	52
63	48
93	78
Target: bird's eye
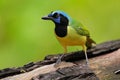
55	15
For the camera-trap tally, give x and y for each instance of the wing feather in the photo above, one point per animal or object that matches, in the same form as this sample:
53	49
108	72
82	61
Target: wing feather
79	28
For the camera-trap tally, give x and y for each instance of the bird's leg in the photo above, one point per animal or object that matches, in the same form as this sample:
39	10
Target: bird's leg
60	57
85	51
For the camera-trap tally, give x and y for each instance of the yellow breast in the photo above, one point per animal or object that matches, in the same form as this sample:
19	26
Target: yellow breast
72	38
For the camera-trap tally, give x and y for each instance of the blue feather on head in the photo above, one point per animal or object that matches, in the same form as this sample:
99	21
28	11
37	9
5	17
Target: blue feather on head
63	13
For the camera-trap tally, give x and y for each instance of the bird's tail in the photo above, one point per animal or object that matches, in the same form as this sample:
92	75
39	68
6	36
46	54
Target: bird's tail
90	43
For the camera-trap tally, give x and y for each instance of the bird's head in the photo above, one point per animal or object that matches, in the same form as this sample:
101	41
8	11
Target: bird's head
58	17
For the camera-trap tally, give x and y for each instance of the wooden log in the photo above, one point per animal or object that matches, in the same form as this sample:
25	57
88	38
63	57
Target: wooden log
75	72
104	60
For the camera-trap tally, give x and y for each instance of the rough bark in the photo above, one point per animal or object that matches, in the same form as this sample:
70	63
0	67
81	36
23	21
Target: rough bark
104	60
69	73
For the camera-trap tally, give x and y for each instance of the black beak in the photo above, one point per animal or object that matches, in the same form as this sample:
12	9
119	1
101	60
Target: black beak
46	18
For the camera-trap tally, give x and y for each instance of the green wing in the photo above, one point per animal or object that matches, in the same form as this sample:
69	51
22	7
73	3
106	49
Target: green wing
82	31
79	28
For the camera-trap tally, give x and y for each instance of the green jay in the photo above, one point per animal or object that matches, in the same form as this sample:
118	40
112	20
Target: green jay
69	32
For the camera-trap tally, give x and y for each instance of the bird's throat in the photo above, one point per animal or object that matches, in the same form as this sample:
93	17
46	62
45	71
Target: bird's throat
61	30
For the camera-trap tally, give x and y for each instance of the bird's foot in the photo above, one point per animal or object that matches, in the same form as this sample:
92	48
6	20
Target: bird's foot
87	63
58	61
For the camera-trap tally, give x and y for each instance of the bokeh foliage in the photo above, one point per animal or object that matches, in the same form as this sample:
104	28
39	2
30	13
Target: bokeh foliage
24	37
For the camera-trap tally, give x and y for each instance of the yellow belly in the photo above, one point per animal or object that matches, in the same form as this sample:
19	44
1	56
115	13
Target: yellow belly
72	38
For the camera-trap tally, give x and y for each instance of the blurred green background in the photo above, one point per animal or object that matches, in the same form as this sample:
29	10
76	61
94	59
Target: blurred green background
24	37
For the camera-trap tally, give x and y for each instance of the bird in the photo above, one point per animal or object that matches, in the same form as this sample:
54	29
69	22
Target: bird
69	32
